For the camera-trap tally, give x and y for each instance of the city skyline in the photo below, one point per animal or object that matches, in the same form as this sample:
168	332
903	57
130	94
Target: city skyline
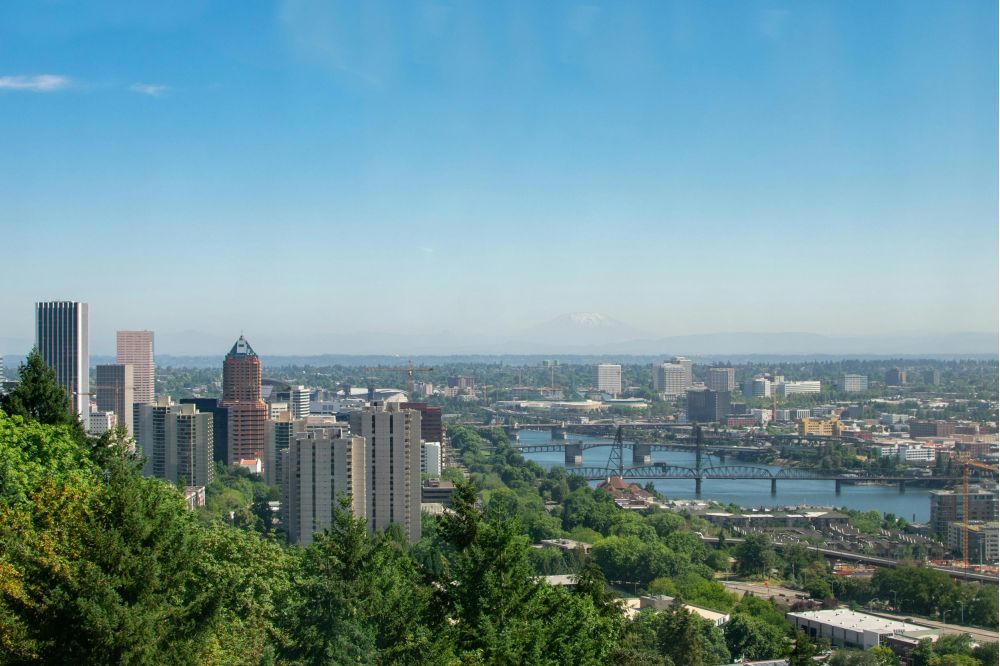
673	167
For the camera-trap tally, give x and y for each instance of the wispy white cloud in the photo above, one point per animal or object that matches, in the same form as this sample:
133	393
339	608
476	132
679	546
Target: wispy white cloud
151	89
35	83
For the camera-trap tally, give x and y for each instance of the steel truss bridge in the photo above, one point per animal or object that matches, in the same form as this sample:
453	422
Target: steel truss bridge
682	445
698	473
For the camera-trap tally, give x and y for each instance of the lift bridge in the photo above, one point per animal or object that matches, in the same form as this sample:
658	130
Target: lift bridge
616	467
641	451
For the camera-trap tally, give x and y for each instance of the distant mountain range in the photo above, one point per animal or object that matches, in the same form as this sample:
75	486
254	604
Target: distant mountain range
574	334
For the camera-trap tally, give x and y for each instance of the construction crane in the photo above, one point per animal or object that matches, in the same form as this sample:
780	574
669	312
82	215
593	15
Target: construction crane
409	368
967	463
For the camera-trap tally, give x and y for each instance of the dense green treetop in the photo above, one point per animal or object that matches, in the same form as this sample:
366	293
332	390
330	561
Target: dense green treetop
38	396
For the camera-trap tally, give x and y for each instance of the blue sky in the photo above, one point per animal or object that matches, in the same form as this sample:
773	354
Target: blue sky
321	167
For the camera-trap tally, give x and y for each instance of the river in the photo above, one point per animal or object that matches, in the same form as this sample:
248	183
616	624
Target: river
913	505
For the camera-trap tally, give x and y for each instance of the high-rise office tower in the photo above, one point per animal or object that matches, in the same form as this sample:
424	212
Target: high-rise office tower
721	379
62	336
895	377
688	366
115	391
278	435
176	441
135	348
431	426
241	395
392	458
707	406
220	425
319	467
758	387
299	400
608	378
668	379
853	383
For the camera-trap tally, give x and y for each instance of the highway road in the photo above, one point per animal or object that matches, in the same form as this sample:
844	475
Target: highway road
978	635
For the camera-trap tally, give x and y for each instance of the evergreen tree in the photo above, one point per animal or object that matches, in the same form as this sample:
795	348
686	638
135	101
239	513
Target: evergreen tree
38	396
106	572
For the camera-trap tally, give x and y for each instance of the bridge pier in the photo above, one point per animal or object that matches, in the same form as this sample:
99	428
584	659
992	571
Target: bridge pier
558	432
722	457
697	487
774	486
641	454
902	488
574	454
836	485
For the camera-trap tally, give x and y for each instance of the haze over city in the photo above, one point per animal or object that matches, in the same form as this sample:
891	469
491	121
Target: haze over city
491	332
455	177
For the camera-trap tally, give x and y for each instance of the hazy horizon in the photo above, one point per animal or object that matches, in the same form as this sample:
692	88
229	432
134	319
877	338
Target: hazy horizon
319	174
568	334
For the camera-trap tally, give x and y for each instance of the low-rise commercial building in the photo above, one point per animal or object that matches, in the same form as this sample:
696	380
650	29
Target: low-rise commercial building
661	602
831	427
435	491
847	628
792	388
99	422
931	428
909	453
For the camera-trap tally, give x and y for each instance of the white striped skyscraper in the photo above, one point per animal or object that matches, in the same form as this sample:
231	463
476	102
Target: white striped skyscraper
62	337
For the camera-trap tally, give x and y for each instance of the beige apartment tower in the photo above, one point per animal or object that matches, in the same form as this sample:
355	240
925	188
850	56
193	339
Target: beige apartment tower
135	348
176	441
321	466
392	458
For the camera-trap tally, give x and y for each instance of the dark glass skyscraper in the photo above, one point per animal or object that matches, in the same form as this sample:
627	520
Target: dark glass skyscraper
62	337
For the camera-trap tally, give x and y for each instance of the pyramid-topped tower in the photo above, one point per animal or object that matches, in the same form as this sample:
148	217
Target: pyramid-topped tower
241	375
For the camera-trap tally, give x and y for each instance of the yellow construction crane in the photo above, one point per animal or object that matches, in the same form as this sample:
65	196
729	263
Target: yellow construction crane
409	368
967	463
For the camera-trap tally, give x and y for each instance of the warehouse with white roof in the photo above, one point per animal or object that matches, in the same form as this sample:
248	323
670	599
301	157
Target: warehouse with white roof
847	628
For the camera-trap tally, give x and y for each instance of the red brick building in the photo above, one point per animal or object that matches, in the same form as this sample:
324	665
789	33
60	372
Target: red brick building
241	375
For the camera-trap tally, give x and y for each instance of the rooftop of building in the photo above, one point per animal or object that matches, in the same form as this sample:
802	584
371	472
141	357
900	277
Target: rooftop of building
242	348
979	526
843	618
